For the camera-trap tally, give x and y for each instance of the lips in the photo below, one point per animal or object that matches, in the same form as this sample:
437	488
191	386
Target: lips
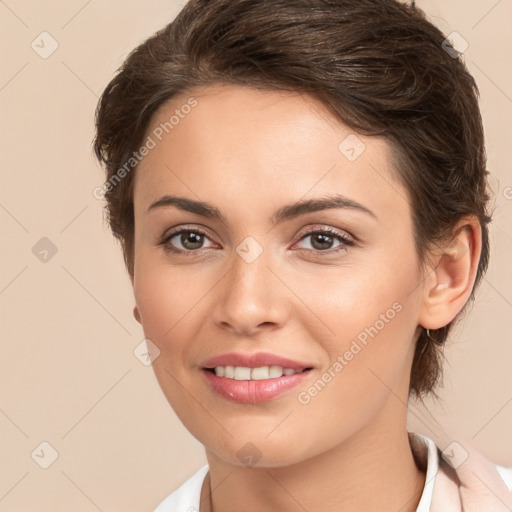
254	361
254	391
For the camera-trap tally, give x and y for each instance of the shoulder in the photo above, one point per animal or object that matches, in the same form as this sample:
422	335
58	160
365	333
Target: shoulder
186	497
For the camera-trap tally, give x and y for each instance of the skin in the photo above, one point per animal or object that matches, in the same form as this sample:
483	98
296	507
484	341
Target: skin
248	153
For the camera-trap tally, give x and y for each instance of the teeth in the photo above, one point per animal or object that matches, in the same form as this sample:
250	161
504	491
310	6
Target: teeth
261	373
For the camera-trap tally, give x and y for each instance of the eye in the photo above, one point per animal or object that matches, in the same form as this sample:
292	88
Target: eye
191	240
323	239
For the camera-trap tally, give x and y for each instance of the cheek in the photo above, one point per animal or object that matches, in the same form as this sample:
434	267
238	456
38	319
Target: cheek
165	296
167	300
365	323
345	300
369	357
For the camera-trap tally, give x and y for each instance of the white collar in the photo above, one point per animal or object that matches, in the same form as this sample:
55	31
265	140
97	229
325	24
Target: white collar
427	454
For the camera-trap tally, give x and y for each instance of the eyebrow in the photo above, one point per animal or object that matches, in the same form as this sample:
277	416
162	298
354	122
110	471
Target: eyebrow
284	213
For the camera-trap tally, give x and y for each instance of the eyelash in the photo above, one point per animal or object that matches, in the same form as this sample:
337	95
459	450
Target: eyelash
345	241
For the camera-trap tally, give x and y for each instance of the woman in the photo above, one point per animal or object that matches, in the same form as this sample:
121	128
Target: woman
300	192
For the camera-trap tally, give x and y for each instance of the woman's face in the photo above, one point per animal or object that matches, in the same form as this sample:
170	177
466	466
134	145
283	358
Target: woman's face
252	281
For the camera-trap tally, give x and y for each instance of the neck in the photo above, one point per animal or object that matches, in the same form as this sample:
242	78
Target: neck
372	470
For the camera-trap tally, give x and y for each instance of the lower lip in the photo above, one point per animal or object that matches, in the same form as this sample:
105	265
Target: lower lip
253	391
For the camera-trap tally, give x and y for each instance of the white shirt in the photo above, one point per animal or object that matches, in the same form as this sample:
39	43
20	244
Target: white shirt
186	498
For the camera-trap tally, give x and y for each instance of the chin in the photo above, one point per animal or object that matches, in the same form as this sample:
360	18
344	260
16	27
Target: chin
259	451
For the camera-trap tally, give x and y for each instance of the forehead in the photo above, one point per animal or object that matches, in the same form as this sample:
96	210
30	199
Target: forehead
251	146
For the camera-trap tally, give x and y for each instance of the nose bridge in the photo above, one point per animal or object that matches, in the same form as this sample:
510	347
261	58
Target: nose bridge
248	298
249	267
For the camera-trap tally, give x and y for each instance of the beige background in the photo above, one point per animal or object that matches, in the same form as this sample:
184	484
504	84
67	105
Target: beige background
69	376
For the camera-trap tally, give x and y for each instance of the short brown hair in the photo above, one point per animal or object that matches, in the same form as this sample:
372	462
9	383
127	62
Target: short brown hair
378	65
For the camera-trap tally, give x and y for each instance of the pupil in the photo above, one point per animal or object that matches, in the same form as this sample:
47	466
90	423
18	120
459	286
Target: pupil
193	238
324	239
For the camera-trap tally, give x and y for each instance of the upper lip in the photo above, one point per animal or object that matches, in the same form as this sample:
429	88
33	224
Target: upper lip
253	361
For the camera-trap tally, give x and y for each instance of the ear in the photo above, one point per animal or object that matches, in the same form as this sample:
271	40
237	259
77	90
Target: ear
136	315
450	279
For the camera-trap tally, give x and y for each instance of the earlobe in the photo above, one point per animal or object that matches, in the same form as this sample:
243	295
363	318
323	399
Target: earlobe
450	282
136	315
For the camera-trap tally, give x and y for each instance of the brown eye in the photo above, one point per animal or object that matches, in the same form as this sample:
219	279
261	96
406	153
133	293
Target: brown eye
322	240
190	240
184	240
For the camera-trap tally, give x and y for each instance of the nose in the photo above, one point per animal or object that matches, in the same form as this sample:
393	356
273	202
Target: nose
252	297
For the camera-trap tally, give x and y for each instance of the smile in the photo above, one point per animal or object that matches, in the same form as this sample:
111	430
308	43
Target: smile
253	385
260	373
